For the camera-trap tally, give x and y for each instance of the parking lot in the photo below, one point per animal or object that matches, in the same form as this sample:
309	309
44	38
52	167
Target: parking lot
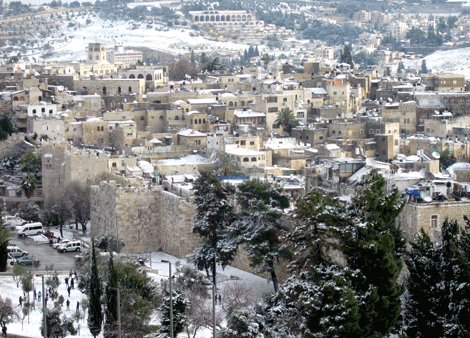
46	254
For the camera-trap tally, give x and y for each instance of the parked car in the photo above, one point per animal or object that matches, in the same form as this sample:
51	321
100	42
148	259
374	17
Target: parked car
30	229
70	246
16	252
63	241
11	260
9	226
28	261
13	220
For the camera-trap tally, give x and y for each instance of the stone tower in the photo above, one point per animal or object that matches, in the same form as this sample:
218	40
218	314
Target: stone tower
96	53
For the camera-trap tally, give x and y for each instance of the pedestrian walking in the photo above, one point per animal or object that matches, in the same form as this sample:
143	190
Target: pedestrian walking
70	274
75	273
72	283
4	331
67	281
34	294
21	301
39	296
68	304
78	305
68	290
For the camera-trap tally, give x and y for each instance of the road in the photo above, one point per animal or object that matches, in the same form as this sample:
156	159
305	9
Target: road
46	254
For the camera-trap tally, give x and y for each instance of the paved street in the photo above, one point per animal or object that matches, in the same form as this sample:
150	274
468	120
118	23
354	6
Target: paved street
46	254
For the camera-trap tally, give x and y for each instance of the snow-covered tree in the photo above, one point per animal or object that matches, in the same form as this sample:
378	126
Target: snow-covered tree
179	313
214	215
111	300
244	323
373	244
257	225
437	298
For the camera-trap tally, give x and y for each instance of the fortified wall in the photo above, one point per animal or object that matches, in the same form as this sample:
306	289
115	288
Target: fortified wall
146	219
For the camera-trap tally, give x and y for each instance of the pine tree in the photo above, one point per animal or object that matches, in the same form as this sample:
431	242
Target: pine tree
179	313
214	215
95	314
374	245
401	67
251	52
437	297
256	51
424	68
258	226
111	300
346	56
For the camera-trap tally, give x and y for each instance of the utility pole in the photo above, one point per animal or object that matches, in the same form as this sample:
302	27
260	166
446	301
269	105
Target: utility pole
213	298
119	311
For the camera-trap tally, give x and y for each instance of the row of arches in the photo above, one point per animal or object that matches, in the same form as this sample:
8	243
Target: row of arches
148	77
216	18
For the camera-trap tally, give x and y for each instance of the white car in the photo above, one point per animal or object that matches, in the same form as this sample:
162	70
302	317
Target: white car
63	241
13	220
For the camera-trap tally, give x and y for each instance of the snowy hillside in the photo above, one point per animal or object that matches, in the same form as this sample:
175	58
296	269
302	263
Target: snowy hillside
72	46
455	61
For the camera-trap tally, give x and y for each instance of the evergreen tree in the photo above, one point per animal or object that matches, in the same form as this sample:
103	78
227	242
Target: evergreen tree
374	245
437	297
251	52
214	215
256	51
4	239
346	56
95	314
111	300
258	225
424	68
179	313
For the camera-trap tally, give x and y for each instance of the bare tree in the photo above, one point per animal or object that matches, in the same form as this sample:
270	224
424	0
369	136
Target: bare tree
78	195
183	67
237	296
199	314
7	311
116	140
58	211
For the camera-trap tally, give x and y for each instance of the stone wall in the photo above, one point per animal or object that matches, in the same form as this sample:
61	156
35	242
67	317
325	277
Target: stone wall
420	215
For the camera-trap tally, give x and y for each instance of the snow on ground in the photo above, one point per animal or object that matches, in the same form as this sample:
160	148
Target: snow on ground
158	263
454	61
154	36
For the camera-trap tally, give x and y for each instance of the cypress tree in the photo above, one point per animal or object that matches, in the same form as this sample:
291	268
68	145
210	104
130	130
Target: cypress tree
111	300
95	314
424	68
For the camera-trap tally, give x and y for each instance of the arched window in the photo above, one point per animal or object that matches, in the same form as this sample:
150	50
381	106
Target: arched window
102	128
43	110
246	159
104	90
50	111
199	121
196	18
34	111
142	118
230	104
98	128
148	77
195	121
203	120
140	76
119	90
177	117
132	76
130	89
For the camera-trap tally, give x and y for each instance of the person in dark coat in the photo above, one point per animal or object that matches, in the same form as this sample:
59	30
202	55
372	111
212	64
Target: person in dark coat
78	305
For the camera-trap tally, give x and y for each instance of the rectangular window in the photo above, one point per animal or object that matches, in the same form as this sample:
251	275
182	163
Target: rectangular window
434	219
272	110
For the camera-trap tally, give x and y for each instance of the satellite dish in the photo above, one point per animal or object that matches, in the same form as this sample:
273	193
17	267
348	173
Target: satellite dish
436	155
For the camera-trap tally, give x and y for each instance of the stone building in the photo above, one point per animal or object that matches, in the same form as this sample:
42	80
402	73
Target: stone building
63	164
429	216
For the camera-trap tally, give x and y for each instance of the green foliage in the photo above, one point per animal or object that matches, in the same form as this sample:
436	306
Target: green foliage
447	159
109	243
29	211
346	56
6	127
5	235
214	215
29	185
57	326
437	298
179	313
287	120
31	163
332	34
424	68
226	165
95	315
364	59
257	225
